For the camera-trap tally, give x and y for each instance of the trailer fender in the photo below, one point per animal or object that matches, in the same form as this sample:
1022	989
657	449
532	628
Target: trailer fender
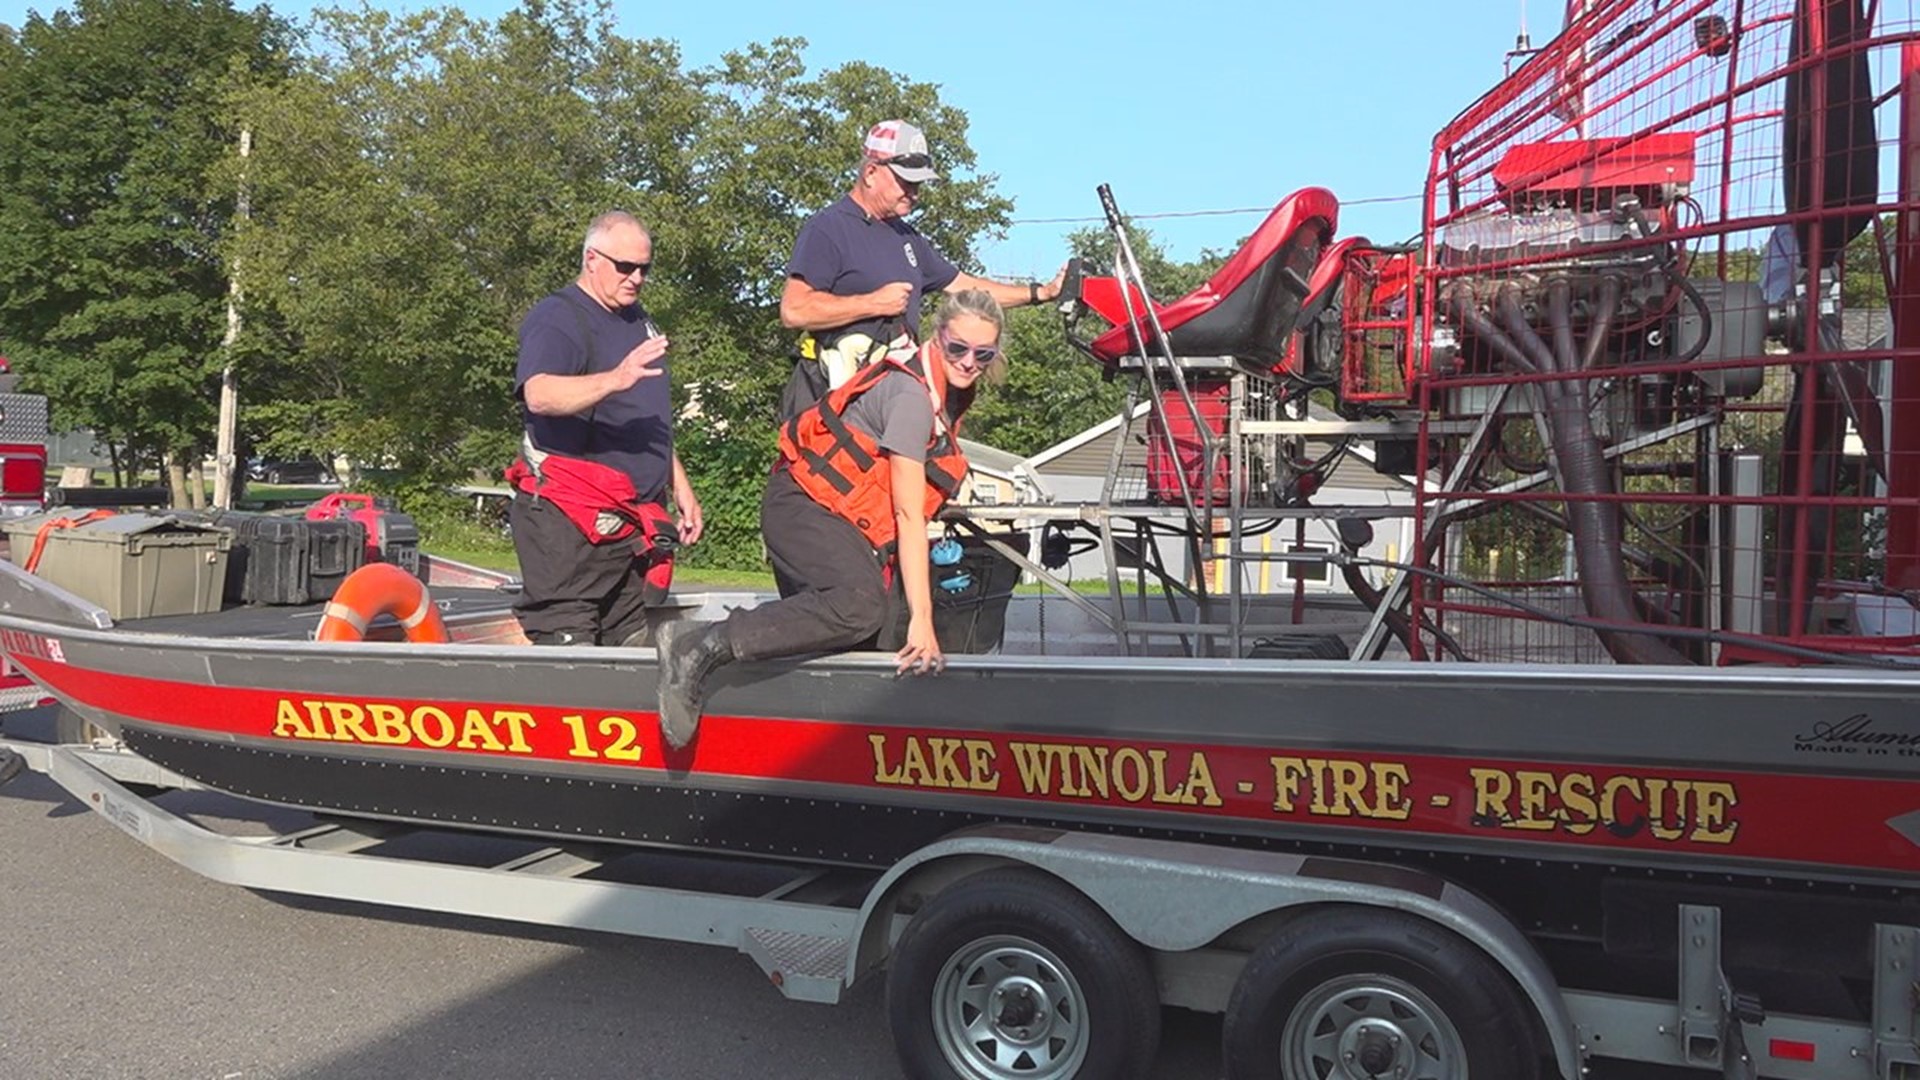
1175	896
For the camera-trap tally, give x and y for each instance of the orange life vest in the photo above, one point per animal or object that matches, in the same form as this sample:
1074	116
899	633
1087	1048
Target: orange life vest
843	468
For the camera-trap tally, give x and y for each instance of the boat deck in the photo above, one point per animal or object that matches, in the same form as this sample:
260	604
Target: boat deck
461	606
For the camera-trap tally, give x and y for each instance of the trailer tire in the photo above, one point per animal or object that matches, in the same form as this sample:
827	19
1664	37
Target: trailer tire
1077	997
1352	992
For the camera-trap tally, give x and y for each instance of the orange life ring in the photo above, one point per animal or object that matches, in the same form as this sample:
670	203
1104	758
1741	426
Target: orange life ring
381	589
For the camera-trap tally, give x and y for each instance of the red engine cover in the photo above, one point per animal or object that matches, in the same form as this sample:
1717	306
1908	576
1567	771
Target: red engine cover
1561	172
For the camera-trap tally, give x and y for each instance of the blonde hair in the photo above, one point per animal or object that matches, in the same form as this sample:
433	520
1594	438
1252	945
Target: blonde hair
981	305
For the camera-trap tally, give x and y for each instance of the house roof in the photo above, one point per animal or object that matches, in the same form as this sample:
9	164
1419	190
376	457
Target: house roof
990	458
1043	458
1865	328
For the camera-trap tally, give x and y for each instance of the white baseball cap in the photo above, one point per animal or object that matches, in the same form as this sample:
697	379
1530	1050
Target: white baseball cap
903	148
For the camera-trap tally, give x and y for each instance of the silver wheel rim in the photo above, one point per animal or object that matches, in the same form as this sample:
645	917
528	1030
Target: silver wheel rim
1006	1007
1371	1027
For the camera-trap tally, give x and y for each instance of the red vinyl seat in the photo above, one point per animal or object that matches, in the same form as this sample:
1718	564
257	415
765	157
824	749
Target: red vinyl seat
1249	308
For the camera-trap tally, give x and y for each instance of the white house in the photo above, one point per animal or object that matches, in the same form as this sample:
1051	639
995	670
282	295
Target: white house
1075	469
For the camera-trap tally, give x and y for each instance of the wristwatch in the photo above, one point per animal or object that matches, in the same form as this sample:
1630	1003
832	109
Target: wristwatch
1033	292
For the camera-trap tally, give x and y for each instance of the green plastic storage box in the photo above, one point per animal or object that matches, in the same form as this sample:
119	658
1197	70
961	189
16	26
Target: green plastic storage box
133	565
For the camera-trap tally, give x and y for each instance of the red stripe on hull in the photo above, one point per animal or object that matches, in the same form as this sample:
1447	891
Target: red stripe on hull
1680	810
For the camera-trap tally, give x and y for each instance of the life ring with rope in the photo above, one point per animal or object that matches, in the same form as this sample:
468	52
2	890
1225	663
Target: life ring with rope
381	589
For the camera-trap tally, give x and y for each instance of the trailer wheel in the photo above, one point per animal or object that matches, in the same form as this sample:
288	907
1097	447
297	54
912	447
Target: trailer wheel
1010	975
70	727
1353	994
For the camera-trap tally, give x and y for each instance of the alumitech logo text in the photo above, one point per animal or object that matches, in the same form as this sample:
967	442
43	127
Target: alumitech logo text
1856	735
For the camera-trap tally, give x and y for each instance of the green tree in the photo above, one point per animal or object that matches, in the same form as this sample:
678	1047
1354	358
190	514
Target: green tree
421	181
416	186
1863	272
111	288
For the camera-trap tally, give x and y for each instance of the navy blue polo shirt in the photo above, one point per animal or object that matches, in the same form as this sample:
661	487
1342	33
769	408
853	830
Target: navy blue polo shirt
842	251
568	333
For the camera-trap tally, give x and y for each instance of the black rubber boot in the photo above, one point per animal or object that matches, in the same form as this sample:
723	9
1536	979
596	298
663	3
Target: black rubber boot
689	652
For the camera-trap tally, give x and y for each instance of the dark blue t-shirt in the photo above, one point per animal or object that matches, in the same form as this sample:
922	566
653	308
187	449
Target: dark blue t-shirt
570	334
842	251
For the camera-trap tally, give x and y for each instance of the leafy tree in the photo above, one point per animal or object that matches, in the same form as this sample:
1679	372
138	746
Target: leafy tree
421	181
111	288
416	186
1863	274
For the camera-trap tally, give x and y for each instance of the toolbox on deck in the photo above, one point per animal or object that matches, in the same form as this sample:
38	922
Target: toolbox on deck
133	565
278	559
391	536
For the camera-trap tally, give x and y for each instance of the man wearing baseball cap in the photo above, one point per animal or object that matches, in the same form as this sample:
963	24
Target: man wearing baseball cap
858	271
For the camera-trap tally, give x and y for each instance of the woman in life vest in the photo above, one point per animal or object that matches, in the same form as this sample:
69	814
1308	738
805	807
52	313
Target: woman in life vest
860	475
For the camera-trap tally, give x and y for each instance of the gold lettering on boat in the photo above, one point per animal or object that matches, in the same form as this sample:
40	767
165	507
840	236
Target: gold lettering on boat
1340	787
935	762
1670	809
382	723
1128	774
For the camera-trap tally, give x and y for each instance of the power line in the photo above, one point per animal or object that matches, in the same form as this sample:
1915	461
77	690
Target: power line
1201	213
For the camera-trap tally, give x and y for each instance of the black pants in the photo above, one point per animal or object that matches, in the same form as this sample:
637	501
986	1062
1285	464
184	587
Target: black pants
595	594
833	593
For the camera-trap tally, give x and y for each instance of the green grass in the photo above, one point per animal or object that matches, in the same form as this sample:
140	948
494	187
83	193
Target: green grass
275	496
480	547
748	580
488	558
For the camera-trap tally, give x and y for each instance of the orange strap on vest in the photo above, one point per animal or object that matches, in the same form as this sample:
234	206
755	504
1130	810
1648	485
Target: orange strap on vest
48	528
381	589
844	469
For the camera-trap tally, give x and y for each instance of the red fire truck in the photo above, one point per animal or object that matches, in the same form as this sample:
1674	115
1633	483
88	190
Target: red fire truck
23	490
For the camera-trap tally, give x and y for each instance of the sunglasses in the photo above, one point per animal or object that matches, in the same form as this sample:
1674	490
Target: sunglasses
622	266
960	350
909	161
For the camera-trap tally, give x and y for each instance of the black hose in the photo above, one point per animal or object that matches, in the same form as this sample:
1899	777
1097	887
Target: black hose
1396	620
1605	307
1594	524
1506	304
1560	322
1466	309
1677	280
1706	317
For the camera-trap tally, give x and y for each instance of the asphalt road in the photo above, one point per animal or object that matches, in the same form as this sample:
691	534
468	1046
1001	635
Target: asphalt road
119	964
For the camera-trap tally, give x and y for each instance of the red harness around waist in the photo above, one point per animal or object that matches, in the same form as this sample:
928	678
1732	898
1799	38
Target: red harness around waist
843	468
583	490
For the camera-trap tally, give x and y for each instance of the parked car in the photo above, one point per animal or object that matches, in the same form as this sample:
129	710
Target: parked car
289	471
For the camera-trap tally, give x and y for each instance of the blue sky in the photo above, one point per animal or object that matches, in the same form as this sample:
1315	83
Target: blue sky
1225	105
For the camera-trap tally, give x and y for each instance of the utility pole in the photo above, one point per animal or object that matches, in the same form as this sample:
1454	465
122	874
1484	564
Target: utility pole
229	393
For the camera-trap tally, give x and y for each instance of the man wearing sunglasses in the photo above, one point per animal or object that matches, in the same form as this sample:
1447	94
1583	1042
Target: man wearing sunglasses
597	466
858	272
